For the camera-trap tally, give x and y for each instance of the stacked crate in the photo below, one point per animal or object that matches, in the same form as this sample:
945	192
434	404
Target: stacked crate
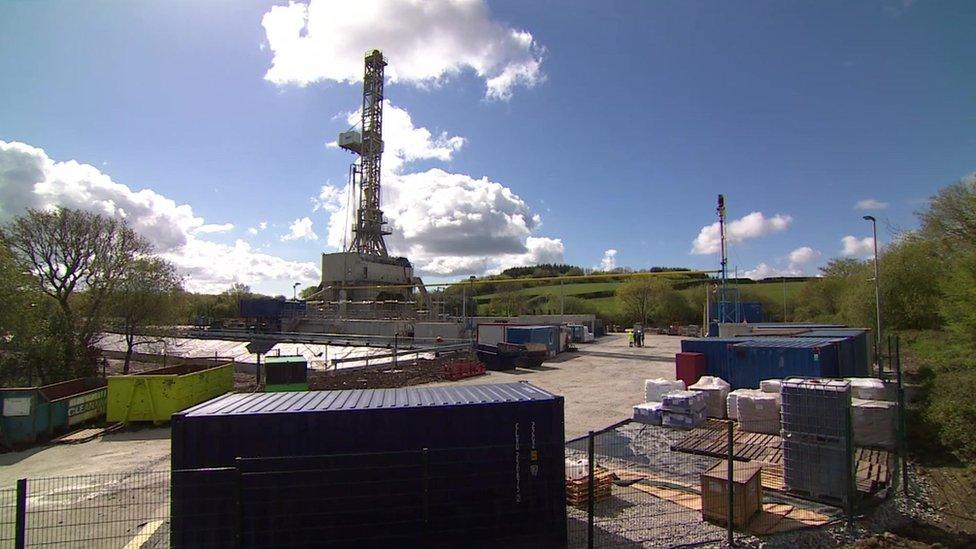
815	420
578	489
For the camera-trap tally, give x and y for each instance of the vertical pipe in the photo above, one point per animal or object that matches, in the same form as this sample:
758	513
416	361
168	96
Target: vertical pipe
590	486
784	299
902	434
877	284
20	535
730	485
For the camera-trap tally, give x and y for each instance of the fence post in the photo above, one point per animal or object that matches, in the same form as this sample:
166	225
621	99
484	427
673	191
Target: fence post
20	536
902	431
591	488
851	467
730	485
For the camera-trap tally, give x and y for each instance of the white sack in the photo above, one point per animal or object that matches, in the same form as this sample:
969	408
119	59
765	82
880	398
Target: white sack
874	423
731	404
715	390
770	385
654	389
868	388
758	413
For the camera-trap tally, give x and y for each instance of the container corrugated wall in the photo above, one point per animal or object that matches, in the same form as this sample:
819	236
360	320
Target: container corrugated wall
752	361
494	468
716	351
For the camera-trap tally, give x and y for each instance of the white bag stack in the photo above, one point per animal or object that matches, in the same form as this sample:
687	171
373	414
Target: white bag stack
649	412
731	401
654	389
683	409
758	412
770	385
715	390
868	388
874	423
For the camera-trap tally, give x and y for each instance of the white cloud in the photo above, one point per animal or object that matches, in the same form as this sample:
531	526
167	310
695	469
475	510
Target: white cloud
446	223
764	270
30	179
214	228
803	255
330	199
261	226
300	229
426	43
609	261
870	204
754	225
853	246
211	267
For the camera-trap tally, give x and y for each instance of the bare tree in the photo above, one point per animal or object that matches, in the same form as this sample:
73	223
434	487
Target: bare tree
148	292
78	257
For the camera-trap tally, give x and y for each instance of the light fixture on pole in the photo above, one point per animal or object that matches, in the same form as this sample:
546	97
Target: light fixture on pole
294	290
877	289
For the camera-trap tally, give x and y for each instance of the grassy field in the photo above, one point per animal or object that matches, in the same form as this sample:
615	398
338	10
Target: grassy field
600	294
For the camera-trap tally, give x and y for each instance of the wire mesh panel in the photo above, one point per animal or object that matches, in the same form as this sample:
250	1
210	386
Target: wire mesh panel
491	496
98	510
645	492
8	517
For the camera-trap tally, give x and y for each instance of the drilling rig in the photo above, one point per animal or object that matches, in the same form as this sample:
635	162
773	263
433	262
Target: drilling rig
364	280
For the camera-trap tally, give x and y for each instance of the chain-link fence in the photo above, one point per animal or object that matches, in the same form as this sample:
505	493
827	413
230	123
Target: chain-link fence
785	458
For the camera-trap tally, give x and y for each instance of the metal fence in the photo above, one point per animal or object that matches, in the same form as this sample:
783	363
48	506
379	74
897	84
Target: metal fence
632	484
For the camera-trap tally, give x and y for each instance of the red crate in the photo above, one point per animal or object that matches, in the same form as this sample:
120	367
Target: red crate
454	371
689	367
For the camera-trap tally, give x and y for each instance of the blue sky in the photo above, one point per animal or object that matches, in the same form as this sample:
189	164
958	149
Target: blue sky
623	122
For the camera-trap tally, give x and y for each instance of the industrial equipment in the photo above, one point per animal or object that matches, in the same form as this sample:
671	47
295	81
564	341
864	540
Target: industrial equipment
363	280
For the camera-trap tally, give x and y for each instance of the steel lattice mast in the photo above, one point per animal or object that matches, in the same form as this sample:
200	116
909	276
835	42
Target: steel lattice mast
368	230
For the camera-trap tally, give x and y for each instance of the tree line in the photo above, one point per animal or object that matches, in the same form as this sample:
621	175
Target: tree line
67	276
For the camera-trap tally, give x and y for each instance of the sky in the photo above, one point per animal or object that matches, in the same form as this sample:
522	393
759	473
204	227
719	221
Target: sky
591	133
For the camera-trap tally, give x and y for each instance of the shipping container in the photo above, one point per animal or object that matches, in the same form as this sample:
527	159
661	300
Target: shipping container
31	414
546	335
754	360
716	351
285	373
157	394
856	349
447	466
490	334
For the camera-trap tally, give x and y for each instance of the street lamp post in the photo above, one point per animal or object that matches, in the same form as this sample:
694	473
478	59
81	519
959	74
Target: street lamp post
294	290
877	290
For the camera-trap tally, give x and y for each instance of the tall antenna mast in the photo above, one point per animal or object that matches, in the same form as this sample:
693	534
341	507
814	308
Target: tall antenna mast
368	230
728	298
721	228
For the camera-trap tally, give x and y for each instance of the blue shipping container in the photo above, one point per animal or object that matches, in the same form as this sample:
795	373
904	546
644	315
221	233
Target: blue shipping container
855	360
716	351
546	335
752	361
385	467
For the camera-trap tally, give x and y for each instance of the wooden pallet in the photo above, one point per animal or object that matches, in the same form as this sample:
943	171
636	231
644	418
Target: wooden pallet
578	490
710	439
84	435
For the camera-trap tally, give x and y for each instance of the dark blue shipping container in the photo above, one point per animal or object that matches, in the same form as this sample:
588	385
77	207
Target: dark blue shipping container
478	465
855	351
546	335
716	351
752	361
786	325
